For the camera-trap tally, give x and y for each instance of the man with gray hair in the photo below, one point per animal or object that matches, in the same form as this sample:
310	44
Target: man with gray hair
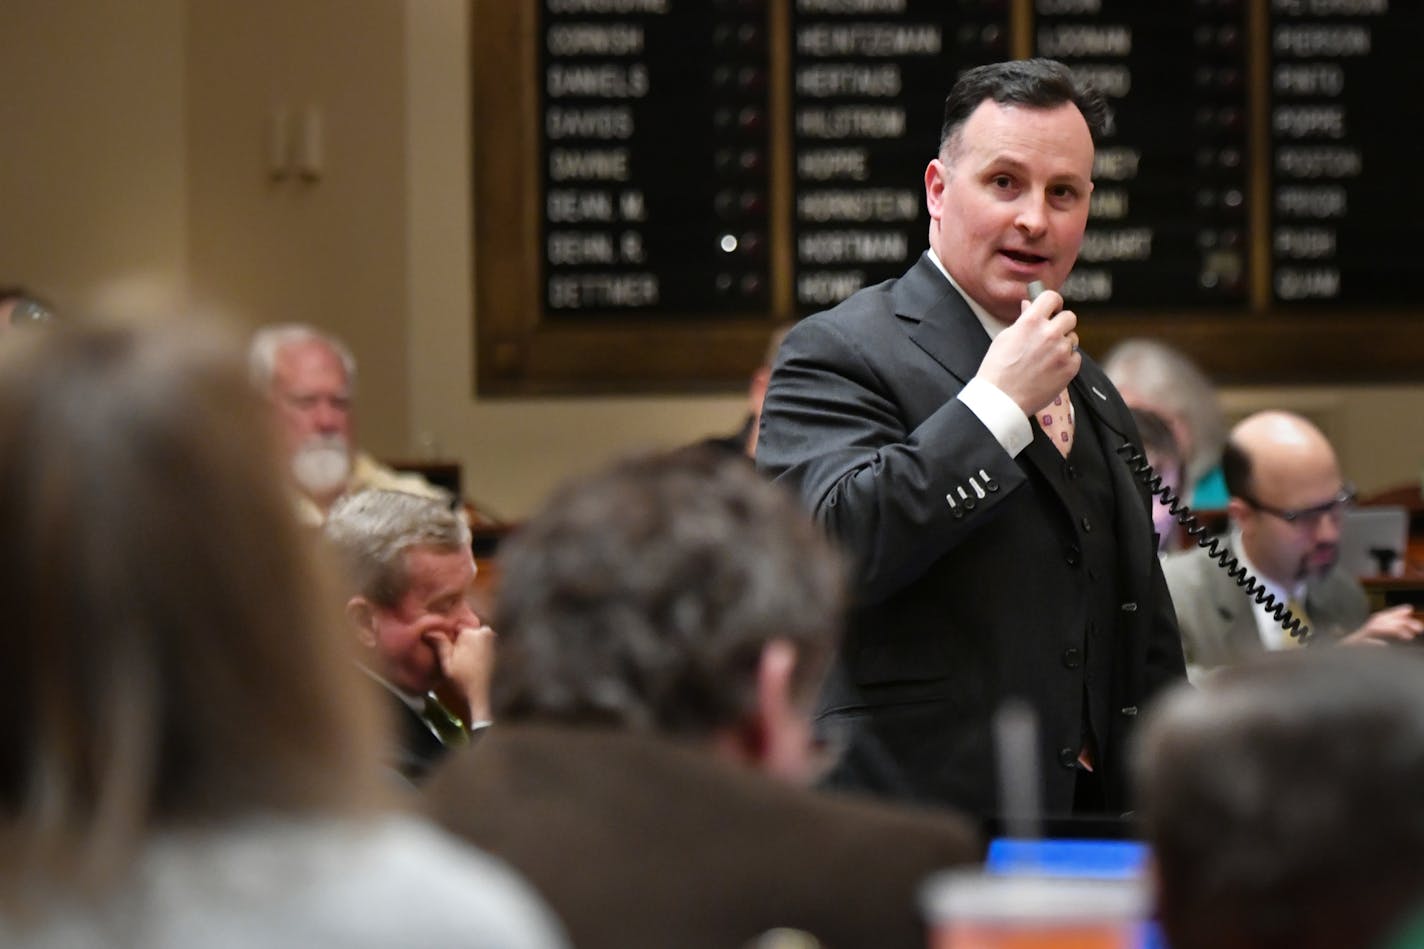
310	378
410	576
665	625
1282	801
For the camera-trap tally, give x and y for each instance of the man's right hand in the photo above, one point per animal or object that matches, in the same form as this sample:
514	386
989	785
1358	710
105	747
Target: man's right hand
467	661
1395	624
1035	357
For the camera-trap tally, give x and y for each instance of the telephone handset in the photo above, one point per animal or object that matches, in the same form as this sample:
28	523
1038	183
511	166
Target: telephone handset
1218	551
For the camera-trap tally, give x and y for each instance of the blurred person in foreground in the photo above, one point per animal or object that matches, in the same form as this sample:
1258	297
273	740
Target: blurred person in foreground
187	754
410	578
310	378
1288	501
664	627
1282	802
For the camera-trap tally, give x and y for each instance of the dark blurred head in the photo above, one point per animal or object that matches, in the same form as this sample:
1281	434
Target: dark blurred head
1154	376
1165	459
646	597
169	651
1282	800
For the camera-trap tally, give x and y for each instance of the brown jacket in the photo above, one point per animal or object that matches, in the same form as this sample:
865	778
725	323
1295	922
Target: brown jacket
638	841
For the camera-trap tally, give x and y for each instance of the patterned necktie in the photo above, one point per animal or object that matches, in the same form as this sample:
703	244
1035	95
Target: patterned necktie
447	727
1056	420
1297	609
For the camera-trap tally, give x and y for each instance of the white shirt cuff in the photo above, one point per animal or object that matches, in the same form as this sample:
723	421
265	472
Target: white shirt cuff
1000	414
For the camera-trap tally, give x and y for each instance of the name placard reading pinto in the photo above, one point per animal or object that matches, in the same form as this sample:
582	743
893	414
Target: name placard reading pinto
1342	168
1168	223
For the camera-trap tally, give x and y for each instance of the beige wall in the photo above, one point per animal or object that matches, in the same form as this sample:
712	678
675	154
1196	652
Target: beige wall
328	251
135	151
92	146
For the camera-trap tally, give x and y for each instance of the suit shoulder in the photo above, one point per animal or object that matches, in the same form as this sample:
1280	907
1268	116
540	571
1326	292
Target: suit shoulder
1186	566
855	310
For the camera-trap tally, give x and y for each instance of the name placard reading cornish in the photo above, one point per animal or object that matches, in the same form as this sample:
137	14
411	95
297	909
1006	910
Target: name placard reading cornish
654	143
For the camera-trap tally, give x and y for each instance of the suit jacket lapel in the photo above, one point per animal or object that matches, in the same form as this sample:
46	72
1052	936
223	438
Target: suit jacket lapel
1241	637
942	324
939	321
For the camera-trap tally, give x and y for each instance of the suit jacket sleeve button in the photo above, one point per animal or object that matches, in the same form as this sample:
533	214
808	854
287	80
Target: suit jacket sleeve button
1072	657
1067	757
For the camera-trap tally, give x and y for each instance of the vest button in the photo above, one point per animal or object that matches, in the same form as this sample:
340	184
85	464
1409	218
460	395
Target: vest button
1087	525
1067	757
1073	555
1072	657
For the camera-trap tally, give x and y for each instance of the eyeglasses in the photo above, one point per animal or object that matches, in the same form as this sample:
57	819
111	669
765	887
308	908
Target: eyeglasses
1309	516
29	311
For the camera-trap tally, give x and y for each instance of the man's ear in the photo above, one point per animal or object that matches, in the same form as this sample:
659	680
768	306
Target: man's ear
935	173
774	672
362	615
782	721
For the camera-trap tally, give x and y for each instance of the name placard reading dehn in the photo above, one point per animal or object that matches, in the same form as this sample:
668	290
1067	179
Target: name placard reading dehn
654	143
1344	154
1168	221
868	84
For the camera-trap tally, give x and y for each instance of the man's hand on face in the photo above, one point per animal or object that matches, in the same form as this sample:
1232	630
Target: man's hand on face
466	658
1036	356
1394	625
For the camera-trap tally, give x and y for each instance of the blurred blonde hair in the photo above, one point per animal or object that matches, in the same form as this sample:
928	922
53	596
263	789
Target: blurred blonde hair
171	654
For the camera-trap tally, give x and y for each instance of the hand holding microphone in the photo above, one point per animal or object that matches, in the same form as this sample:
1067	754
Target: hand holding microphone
1036	356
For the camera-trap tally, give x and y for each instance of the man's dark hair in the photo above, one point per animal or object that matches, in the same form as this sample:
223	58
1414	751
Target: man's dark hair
1036	83
642	597
1282	800
1236	469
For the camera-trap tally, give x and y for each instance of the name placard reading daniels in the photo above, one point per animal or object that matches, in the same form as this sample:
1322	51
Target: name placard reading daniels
654	145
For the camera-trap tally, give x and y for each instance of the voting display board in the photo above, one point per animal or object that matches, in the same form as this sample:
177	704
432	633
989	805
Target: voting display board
660	183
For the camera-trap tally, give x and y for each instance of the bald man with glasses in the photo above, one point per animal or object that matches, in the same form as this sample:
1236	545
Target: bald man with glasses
1287	504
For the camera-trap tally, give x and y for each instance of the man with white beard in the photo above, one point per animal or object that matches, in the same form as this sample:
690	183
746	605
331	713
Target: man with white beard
310	377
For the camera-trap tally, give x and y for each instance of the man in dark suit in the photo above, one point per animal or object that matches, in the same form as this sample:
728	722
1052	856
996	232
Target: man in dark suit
948	431
664	628
410	578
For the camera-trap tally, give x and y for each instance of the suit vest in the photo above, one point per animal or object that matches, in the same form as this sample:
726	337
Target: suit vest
1084	486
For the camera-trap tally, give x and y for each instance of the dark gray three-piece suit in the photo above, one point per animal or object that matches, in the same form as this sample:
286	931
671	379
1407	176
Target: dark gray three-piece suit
980	576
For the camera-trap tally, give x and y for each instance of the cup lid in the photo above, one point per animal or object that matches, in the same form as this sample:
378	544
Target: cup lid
980	896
